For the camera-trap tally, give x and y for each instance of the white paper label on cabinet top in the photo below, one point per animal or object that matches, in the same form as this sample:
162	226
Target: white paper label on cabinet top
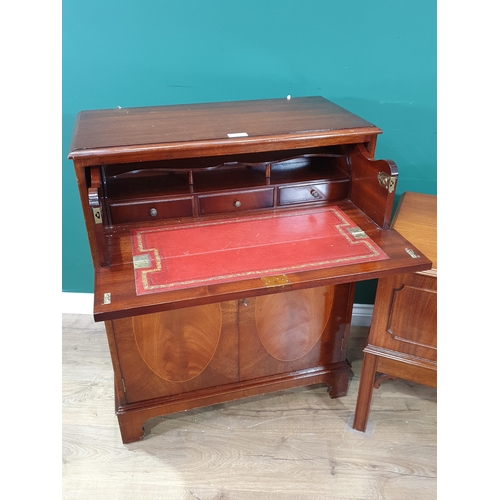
237	134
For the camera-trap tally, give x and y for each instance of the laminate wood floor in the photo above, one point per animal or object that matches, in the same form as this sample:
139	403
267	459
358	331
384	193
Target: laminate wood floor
293	445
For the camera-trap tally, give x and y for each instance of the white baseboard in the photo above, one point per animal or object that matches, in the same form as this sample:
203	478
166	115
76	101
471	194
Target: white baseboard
77	303
83	303
362	314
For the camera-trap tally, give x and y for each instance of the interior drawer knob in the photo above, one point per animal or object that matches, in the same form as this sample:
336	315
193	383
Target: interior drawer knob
153	212
315	194
237	203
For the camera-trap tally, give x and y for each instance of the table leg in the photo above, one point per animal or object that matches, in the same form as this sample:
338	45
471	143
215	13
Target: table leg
365	390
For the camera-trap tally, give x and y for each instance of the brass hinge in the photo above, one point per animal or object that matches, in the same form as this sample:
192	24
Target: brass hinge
412	254
97	215
357	233
387	181
141	261
280	280
124	388
106	298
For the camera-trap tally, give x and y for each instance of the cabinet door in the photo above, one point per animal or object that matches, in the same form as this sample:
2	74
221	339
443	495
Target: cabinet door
405	316
174	352
296	330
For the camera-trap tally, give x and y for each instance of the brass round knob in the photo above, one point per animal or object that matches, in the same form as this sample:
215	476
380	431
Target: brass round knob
237	203
153	212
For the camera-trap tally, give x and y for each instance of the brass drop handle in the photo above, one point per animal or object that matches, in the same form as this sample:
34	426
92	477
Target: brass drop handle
314	193
237	203
153	212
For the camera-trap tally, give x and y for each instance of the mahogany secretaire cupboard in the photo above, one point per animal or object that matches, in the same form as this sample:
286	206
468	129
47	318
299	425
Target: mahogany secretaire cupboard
226	240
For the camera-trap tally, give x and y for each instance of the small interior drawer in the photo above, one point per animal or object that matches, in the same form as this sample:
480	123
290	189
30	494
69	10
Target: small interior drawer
137	211
236	201
313	192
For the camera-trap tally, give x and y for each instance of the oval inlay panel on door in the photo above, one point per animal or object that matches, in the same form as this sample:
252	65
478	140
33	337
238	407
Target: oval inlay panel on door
289	324
178	345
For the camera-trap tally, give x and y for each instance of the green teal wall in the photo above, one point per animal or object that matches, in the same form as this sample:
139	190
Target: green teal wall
377	59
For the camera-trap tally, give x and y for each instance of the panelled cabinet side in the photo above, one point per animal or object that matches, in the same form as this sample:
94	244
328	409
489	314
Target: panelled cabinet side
402	342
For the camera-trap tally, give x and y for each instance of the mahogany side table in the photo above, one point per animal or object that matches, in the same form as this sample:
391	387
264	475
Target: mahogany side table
402	342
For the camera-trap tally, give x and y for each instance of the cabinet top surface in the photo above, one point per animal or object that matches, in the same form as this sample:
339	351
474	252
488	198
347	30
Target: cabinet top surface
416	220
213	123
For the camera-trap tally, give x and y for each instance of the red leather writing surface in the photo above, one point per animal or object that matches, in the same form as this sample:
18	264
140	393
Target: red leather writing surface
203	253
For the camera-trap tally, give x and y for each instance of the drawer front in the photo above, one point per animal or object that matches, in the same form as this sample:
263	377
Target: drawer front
314	192
236	201
150	210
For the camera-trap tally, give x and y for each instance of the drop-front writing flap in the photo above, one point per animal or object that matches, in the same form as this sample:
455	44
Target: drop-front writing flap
234	249
338	256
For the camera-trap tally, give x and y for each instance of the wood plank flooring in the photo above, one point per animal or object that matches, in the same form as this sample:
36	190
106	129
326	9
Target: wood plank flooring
293	445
